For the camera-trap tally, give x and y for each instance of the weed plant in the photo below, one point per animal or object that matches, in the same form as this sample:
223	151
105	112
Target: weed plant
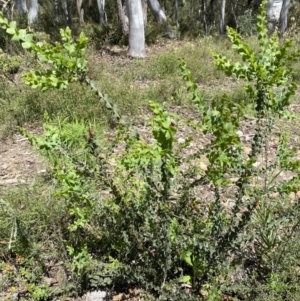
141	211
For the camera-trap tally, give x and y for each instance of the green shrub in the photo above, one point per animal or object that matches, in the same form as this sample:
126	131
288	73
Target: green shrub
135	211
246	23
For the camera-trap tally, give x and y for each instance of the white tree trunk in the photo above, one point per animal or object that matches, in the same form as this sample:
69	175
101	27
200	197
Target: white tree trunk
222	17
283	16
122	18
273	14
136	28
145	8
80	12
160	16
21	6
33	11
102	13
157	11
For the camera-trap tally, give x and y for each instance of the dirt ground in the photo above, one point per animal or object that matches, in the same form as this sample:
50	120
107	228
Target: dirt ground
19	162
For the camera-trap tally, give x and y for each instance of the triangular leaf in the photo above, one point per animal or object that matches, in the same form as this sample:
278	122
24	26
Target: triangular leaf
26	45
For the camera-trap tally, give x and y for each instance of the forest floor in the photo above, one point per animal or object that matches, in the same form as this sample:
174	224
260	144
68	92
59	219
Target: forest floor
21	165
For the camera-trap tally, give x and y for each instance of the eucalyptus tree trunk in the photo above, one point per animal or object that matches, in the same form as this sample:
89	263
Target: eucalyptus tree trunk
233	11
123	19
160	16
67	8
222	17
62	10
102	13
21	7
157	11
33	11
136	28
283	16
210	7
144	7
80	12
58	11
176	13
273	14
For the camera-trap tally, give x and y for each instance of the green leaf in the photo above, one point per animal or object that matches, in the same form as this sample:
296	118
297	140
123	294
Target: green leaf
187	257
28	37
185	279
11	31
12	24
26	45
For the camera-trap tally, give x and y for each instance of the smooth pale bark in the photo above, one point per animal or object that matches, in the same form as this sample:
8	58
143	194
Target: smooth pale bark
273	14
222	17
21	6
33	11
283	16
157	11
136	28
102	13
144	7
123	19
80	12
160	16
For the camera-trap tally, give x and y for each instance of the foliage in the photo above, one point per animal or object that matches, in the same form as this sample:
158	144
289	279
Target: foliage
134	210
8	65
246	23
67	61
63	69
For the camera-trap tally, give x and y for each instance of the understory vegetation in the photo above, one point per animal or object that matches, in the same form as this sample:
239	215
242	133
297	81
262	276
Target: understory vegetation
170	178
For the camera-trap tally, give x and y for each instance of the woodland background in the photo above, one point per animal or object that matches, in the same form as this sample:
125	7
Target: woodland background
157	162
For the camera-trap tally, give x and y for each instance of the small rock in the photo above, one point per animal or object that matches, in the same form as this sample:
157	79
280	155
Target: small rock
203	166
248	137
96	296
274	195
240	133
256	164
292	196
119	297
247	150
